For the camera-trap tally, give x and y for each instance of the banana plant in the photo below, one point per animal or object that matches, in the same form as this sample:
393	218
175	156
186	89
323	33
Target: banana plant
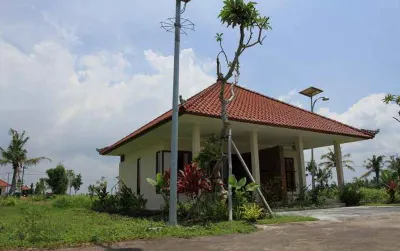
161	183
242	193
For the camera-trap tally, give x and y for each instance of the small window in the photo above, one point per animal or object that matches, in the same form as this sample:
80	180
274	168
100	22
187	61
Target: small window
139	162
163	160
122	158
159	162
166	160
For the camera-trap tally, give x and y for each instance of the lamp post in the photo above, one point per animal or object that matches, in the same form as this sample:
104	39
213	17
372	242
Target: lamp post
311	92
176	25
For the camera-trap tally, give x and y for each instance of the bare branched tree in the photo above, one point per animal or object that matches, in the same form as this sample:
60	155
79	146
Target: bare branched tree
391	98
251	25
245	18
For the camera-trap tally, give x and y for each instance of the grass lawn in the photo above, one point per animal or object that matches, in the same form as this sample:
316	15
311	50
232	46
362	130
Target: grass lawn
36	225
381	205
285	219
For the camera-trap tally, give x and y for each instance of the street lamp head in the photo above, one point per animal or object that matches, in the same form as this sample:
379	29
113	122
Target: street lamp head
311	91
325	98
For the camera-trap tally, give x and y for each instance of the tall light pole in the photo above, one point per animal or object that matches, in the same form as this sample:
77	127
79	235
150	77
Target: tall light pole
177	26
311	92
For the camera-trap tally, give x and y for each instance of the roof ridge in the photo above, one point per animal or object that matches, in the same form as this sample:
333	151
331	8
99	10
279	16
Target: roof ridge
299	108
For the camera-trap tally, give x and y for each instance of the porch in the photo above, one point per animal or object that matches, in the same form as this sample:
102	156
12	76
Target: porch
270	152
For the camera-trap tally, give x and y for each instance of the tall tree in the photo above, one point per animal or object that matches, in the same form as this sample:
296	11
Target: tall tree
250	25
71	177
77	182
16	156
394	164
391	98
40	186
329	160
57	179
32	189
374	165
246	17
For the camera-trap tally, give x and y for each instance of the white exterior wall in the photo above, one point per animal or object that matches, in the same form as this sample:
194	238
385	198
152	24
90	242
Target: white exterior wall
128	173
128	170
3	191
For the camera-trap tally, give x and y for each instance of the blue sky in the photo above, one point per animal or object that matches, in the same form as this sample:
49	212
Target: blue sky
350	49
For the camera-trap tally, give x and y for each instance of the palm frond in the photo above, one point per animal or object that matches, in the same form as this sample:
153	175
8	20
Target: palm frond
349	167
326	164
348	155
4	162
35	161
367	174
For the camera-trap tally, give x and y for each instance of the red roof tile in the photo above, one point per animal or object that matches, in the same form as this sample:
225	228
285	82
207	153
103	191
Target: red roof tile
4	184
25	188
251	107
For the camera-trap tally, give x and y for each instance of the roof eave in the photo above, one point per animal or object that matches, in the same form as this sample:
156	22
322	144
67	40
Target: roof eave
109	149
366	136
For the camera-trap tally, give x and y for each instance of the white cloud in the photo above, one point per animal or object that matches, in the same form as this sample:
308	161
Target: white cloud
71	104
66	33
291	98
368	113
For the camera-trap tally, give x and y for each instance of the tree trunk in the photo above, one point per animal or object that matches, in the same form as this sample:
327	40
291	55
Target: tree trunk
14	180
377	177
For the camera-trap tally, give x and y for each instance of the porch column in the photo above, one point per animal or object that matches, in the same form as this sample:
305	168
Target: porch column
255	160
300	162
195	140
339	164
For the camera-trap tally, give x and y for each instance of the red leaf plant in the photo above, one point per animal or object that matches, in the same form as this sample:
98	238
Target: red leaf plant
391	190
166	177
193	181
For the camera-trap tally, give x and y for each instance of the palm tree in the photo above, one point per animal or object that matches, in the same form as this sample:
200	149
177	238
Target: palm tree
16	156
329	160
374	165
394	164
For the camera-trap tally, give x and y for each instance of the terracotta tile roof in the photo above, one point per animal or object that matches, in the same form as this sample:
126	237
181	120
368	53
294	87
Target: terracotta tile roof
25	188
4	184
251	107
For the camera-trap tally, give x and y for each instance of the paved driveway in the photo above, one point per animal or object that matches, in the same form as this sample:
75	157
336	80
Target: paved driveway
343	213
355	229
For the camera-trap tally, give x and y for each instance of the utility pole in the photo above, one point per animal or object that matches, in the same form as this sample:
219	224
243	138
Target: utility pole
174	131
177	26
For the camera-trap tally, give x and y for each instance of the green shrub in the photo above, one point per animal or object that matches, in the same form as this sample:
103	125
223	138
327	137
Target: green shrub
374	195
123	202
210	207
329	192
251	212
8	201
351	195
76	201
38	198
107	204
128	202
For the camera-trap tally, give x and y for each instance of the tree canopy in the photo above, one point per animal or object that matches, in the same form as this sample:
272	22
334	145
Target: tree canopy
57	179
329	160
16	155
392	98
